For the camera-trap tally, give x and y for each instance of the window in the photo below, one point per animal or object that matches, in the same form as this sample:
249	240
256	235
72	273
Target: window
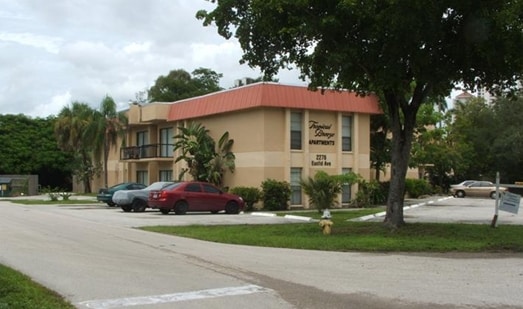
210	189
141	141
296	129
166	175
166	142
142	177
346	133
346	188
295	186
193	187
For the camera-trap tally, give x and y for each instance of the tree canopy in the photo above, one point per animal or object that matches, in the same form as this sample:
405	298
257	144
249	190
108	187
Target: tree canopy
488	139
403	51
75	133
179	85
29	147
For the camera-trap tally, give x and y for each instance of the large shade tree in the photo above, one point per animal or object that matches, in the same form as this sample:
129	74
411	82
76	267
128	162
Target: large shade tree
403	51
28	146
472	133
180	84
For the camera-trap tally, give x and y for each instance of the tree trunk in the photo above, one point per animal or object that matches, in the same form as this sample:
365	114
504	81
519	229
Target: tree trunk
402	135
106	157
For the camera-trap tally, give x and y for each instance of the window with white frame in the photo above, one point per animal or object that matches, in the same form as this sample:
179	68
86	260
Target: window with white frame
295	186
296	130
346	133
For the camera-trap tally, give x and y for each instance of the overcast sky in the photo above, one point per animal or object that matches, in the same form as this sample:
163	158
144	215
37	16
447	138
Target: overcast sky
59	51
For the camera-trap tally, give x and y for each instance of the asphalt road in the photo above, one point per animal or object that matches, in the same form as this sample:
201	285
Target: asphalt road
93	256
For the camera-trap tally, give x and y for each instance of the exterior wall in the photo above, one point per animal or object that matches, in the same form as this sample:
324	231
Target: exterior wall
258	143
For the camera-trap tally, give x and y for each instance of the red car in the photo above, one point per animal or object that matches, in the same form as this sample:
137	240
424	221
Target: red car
194	196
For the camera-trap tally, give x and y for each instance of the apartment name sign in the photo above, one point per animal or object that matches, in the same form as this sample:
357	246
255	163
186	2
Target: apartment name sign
321	133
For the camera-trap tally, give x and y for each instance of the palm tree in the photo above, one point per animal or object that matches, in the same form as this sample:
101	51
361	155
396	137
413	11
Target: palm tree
223	160
197	149
204	162
107	126
72	131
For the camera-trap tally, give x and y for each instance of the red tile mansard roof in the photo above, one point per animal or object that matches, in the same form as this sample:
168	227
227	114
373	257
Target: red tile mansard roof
272	95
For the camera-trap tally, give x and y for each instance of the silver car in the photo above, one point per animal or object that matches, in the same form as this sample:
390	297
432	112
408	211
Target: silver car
476	189
136	200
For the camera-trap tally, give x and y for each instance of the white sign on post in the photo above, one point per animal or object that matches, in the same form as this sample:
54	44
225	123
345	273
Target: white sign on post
510	202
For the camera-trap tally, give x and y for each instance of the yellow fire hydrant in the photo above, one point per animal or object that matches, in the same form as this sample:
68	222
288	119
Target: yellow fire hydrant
326	222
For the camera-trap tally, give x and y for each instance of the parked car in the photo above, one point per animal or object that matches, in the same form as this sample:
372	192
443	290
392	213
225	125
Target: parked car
136	200
463	183
476	189
194	196
105	195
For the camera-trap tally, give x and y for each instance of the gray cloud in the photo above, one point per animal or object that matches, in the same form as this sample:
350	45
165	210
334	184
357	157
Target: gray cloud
56	52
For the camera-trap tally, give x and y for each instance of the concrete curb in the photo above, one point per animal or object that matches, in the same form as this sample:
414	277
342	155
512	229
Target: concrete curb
383	213
263	214
300	218
364	218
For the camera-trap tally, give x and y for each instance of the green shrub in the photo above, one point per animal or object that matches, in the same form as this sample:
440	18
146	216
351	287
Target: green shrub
417	187
65	195
323	189
275	194
371	193
250	195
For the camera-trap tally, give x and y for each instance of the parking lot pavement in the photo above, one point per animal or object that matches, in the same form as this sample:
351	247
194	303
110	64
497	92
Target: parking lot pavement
431	209
450	209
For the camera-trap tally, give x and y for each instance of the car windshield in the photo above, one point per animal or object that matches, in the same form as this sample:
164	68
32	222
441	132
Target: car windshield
172	186
119	186
158	185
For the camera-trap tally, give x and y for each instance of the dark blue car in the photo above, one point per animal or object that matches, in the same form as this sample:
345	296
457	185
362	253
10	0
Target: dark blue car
105	195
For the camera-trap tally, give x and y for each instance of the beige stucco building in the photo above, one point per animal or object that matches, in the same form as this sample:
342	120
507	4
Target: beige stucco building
280	132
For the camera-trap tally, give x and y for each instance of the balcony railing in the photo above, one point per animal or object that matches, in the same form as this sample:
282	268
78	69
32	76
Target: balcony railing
147	151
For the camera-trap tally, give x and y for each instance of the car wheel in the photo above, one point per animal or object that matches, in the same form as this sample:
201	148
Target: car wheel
181	208
232	208
493	195
164	211
460	193
111	204
127	208
139	205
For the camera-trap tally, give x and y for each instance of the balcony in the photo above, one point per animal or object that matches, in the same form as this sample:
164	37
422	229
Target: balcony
150	151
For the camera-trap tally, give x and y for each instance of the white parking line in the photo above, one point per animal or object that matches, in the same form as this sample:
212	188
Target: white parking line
171	298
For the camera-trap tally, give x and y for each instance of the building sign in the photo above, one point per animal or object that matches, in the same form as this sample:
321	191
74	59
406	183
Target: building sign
321	133
510	202
321	160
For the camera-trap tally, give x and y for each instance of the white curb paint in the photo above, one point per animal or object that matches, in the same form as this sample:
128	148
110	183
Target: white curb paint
171	298
383	213
301	218
264	214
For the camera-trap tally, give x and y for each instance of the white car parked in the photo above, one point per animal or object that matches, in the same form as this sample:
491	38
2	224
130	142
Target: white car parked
136	200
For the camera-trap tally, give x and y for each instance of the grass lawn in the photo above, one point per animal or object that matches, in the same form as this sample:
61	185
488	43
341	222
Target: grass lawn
19	291
360	236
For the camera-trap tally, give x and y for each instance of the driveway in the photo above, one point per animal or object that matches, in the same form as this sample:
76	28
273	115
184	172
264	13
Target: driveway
93	256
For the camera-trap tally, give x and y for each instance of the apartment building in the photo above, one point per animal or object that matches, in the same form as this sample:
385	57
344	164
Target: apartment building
280	132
